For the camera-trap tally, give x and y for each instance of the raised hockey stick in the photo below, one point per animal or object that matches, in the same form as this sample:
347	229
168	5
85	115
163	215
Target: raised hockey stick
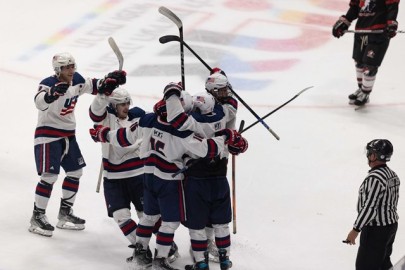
185	168
169	38
380	31
278	108
120	58
242	123
173	17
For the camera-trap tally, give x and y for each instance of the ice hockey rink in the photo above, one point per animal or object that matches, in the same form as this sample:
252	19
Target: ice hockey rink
296	197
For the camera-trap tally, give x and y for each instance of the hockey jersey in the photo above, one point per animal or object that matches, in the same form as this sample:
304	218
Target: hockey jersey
223	116
372	14
118	162
163	146
56	120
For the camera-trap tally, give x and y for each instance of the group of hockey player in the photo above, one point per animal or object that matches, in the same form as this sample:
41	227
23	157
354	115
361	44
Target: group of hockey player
143	154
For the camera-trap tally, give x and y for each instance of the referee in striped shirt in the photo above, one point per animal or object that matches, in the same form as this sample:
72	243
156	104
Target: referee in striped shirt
377	218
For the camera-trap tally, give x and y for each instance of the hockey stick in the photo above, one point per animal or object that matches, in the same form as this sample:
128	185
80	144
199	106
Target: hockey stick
120	58
173	17
243	130
169	38
117	52
242	123
380	31
278	108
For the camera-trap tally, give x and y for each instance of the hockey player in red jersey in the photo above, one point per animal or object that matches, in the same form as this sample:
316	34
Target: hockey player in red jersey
55	142
369	48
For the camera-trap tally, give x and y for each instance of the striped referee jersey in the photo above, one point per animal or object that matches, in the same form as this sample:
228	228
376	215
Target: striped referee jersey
378	198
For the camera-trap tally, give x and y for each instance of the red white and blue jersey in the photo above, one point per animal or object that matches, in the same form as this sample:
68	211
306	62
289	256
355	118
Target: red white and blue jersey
56	120
163	146
205	125
118	162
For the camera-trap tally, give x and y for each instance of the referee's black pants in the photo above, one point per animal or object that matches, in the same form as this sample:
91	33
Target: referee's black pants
376	247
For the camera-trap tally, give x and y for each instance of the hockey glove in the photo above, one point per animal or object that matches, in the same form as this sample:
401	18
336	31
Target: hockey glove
99	133
56	91
160	109
119	75
107	86
217	70
391	29
239	146
172	89
340	27
230	135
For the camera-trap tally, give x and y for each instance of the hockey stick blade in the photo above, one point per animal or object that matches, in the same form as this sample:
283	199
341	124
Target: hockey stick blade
168	38
117	52
171	16
278	108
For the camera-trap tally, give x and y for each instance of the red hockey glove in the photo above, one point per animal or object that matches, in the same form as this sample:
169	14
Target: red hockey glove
340	27
99	133
239	146
119	75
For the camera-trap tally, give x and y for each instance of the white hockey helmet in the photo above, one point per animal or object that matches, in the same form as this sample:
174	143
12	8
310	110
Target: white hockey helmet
217	84
120	96
186	101
204	101
61	60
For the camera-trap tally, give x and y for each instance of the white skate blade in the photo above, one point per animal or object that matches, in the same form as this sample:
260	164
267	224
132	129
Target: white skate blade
66	225
37	230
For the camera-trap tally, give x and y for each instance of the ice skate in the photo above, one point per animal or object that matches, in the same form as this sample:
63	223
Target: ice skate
173	253
353	97
362	99
202	265
40	224
224	261
141	258
68	221
162	264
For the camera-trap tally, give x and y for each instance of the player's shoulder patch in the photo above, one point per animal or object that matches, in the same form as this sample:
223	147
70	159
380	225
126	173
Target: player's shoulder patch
78	79
135	112
49	81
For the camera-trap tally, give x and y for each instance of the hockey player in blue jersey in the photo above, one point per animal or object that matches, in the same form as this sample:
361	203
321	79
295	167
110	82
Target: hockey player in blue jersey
163	149
55	142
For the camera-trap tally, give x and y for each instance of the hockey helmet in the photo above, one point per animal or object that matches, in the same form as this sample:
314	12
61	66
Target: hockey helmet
382	148
204	102
120	96
217	84
61	60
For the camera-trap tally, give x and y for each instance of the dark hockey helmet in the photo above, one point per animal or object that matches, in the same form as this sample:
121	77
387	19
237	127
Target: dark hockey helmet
381	147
